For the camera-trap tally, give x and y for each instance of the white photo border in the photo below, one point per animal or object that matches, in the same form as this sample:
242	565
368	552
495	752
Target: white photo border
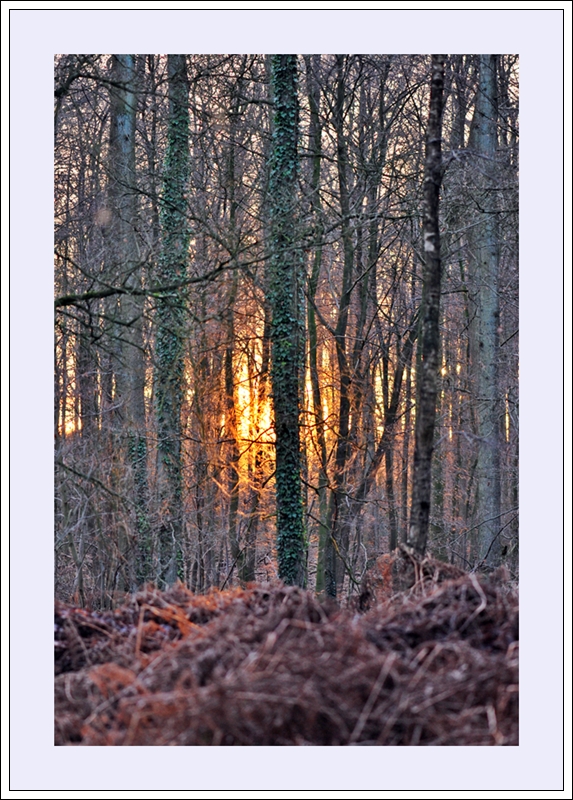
35	37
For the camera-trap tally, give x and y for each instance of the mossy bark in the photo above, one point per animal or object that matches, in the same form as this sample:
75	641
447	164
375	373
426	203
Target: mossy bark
171	325
286	298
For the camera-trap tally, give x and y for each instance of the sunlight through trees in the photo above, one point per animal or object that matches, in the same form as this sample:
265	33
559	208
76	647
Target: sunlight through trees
243	278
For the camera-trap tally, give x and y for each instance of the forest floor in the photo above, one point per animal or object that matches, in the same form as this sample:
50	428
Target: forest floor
432	664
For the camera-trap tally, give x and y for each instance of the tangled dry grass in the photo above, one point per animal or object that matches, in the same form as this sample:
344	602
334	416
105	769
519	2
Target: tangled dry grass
270	665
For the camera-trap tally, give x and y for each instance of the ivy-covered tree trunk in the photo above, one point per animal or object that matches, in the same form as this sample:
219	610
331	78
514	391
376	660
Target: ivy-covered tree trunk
170	319
130	369
286	298
429	344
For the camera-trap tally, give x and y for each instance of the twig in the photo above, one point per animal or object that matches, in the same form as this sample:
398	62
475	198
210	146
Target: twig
481	606
372	697
123	499
239	554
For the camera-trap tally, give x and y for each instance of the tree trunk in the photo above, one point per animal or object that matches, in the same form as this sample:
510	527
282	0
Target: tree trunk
231	432
171	323
427	378
260	462
314	135
130	371
485	355
286	296
338	539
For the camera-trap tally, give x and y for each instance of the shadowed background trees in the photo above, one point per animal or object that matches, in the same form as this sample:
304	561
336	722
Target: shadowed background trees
219	218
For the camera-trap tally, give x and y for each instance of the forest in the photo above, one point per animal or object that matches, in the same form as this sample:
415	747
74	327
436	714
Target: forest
286	320
286	400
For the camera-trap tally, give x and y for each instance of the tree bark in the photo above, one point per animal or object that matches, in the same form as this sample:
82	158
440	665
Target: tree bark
485	329
130	371
337	543
171	325
286	297
427	379
315	135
